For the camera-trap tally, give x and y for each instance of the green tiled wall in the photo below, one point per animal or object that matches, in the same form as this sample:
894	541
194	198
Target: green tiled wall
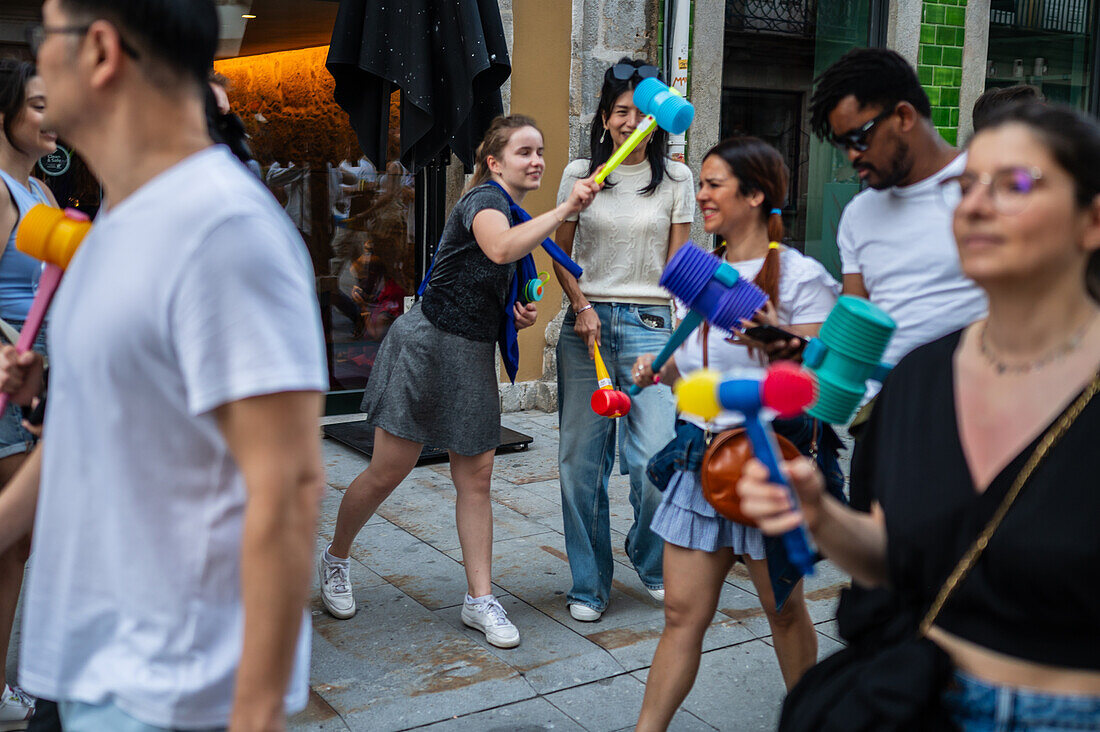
942	32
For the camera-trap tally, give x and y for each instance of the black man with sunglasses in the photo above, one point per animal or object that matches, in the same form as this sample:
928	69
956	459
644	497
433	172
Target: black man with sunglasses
895	240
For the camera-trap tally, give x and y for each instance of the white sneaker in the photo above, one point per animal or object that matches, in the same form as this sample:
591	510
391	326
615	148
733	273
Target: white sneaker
335	587
584	613
487	615
16	709
658	595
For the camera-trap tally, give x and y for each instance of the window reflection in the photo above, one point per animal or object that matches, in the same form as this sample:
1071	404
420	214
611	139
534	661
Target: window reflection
355	220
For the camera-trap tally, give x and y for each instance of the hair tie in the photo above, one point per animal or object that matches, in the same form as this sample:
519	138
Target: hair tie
773	245
776	212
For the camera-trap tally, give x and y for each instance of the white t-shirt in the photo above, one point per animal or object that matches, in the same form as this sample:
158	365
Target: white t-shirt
900	240
807	292
193	292
622	238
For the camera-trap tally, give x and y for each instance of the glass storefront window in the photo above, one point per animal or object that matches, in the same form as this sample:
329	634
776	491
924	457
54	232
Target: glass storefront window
774	50
355	220
1045	43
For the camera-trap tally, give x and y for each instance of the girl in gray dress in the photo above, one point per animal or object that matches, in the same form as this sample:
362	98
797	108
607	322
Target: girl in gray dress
435	380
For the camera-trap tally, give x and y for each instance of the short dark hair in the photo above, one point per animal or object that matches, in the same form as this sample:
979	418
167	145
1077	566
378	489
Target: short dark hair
999	96
876	76
183	34
1073	140
14	75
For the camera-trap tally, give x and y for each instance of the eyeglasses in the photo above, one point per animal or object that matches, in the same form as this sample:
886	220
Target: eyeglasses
625	72
859	138
1009	188
36	36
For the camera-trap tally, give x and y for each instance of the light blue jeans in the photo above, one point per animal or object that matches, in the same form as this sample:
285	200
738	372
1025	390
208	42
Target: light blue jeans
587	441
81	717
978	706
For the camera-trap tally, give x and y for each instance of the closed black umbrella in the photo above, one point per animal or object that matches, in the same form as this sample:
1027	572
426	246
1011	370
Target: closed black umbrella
448	58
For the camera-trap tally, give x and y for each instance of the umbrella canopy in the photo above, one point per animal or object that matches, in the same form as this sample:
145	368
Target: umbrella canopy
448	58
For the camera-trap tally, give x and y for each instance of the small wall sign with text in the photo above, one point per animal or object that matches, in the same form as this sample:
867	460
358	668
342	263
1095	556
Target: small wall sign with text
57	162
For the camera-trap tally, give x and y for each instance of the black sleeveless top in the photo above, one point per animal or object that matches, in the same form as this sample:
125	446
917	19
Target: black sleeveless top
1035	592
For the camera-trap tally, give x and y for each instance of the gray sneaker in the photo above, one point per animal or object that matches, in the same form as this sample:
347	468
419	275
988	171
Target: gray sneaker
335	587
489	617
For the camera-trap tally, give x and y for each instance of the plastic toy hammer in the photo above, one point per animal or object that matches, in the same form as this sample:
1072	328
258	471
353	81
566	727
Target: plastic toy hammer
712	289
52	236
785	388
607	401
663	107
846	353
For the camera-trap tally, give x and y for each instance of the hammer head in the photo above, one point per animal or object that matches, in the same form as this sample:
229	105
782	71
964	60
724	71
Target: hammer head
51	235
672	111
610	403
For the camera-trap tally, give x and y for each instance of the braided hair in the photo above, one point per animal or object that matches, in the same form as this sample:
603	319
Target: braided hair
875	76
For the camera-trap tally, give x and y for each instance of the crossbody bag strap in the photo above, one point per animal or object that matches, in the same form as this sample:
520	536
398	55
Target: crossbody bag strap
1050	439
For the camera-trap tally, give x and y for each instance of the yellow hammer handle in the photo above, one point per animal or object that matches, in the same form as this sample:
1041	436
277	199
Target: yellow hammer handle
648	125
602	377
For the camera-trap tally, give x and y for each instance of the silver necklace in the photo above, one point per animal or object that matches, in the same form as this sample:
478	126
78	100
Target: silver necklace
1065	349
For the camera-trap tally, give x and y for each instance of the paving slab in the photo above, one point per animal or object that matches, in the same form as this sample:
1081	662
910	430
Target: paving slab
737	688
424	505
342	464
317	715
533	715
395	665
529	504
550	656
424	573
536	570
613	704
633	645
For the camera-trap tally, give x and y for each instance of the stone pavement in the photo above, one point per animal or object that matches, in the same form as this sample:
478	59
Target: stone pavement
405	661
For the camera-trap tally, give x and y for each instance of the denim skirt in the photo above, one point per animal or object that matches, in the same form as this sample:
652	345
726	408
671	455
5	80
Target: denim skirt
686	519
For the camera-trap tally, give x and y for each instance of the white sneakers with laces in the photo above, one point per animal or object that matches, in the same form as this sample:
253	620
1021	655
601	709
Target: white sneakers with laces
335	586
583	613
487	615
16	709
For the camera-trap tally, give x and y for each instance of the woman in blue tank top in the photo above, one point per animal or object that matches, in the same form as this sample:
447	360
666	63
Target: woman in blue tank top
23	142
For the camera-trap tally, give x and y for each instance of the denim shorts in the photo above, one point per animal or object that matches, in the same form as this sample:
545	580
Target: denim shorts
14	437
978	706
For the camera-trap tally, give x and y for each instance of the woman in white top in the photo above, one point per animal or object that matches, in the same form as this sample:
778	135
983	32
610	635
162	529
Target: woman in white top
623	241
742	183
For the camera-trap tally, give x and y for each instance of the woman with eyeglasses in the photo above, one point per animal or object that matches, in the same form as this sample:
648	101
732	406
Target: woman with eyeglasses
991	432
23	142
623	241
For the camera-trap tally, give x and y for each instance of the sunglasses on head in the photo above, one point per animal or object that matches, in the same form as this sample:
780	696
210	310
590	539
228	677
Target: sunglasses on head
625	72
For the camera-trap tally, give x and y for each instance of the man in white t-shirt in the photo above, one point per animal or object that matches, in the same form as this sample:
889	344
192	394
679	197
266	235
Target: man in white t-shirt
178	481
895	239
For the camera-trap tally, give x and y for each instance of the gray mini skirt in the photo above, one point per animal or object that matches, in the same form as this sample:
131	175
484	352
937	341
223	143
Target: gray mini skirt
434	387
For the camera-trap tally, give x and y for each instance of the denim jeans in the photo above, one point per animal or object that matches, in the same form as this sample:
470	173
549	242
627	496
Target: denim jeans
978	706
587	442
81	717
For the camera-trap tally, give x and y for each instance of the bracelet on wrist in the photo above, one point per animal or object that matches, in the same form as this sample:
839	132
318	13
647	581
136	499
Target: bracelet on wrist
581	310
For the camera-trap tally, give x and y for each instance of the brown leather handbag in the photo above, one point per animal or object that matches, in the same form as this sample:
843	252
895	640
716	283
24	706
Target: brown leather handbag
725	457
723	461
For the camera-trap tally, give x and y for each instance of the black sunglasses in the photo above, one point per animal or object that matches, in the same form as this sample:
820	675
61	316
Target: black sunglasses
859	138
625	72
36	36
